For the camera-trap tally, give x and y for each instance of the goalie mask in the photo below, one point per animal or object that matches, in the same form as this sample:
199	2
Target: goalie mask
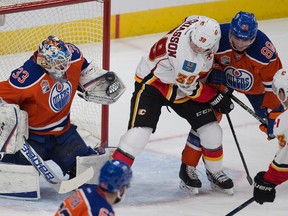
54	56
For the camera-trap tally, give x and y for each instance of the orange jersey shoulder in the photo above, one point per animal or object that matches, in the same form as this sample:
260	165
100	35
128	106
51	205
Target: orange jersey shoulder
47	102
250	72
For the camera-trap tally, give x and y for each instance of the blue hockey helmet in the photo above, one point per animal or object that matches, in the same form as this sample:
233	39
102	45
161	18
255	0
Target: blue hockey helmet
114	175
244	26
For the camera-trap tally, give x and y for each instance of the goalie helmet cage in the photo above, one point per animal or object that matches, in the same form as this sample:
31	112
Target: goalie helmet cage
85	23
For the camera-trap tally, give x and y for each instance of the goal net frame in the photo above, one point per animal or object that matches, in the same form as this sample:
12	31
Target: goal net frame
45	4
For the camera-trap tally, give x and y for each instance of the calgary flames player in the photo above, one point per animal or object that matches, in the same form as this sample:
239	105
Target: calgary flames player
265	182
246	62
173	74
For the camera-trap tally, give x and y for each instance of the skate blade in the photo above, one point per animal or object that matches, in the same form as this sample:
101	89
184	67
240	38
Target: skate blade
226	191
188	189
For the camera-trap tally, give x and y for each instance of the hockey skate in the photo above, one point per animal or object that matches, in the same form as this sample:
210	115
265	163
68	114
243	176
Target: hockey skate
189	179
220	182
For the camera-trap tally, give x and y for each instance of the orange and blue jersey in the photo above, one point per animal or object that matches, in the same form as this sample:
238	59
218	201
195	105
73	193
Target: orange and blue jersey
87	201
252	71
46	101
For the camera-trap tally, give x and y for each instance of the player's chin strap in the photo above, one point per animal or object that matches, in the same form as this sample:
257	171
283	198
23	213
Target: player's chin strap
60	186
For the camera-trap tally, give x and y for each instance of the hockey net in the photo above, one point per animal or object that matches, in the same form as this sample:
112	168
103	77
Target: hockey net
25	23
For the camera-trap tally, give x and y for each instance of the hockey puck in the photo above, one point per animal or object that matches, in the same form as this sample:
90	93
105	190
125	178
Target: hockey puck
110	77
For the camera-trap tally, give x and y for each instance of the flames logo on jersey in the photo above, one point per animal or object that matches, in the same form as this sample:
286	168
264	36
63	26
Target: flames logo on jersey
239	79
60	95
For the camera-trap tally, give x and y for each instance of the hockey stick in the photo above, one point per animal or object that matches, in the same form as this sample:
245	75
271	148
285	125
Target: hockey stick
245	107
239	150
60	186
239	208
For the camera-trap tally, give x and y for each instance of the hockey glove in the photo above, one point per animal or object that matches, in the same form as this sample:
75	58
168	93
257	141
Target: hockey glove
217	80
263	191
217	76
268	129
222	103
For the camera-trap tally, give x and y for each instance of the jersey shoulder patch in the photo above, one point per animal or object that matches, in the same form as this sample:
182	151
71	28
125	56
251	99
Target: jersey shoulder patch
26	75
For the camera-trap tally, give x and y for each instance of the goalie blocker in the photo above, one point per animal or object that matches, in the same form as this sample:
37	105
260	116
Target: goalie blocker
100	86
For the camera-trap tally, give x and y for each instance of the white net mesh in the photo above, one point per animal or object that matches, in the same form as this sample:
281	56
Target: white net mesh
81	24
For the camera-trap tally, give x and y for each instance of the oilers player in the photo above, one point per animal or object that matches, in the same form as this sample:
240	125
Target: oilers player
173	74
40	93
114	179
245	62
265	182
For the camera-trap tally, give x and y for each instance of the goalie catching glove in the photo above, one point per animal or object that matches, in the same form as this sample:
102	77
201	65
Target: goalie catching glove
13	127
100	86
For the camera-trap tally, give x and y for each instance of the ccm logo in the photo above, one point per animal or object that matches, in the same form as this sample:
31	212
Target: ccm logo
203	112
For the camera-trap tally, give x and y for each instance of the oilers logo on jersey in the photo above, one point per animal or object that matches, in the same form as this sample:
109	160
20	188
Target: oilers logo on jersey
239	79
60	95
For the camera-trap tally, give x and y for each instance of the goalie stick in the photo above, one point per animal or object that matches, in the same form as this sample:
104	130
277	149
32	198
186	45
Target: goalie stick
60	186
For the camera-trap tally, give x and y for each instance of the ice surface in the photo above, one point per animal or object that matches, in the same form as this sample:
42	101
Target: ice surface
154	190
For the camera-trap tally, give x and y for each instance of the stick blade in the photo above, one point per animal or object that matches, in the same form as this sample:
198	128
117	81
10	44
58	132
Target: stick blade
72	184
250	180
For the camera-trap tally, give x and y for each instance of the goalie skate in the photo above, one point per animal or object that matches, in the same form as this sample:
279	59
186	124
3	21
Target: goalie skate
189	179
220	182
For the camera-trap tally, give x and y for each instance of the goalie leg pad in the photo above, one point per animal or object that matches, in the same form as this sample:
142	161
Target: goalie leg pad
19	182
13	127
95	161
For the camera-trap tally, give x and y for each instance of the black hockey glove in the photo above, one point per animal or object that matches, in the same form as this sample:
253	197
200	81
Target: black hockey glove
263	191
222	103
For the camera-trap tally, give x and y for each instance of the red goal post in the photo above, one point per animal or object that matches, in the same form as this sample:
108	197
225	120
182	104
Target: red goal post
86	23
